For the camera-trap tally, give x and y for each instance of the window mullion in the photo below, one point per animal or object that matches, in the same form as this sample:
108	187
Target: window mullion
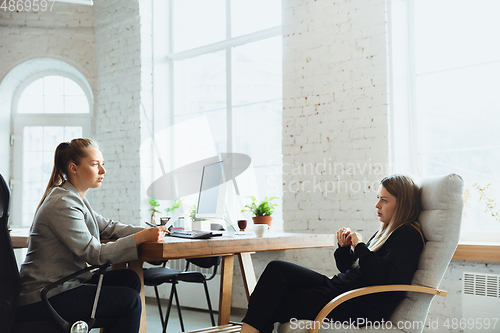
240	40
416	162
229	99
171	83
228	19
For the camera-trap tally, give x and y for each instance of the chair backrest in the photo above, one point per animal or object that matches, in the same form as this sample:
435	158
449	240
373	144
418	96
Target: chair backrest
10	281
205	262
441	216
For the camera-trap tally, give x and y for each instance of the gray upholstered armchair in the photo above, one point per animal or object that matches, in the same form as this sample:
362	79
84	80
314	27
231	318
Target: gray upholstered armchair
442	203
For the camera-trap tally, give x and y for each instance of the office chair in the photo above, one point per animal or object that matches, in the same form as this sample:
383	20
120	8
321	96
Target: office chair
10	286
440	218
158	275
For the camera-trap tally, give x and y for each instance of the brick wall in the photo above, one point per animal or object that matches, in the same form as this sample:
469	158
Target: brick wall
335	143
66	33
334	122
334	112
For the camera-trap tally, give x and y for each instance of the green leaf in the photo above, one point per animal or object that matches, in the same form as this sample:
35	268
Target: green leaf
153	202
175	205
265	208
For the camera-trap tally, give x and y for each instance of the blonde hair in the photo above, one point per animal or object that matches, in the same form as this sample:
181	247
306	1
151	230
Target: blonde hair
408	208
66	153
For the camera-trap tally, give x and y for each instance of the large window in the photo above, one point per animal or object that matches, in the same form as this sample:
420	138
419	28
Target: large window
446	68
225	87
48	109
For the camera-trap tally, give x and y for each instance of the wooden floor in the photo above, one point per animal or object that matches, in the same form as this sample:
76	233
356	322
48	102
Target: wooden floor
229	328
194	320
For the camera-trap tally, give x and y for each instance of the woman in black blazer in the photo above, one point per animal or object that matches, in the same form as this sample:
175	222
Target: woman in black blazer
286	291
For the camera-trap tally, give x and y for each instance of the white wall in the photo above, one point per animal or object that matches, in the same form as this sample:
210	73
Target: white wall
117	107
66	33
334	113
334	116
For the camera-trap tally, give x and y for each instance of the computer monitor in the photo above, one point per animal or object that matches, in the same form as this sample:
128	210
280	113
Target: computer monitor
212	192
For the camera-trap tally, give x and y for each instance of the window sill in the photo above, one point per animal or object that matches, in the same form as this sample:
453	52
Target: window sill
477	252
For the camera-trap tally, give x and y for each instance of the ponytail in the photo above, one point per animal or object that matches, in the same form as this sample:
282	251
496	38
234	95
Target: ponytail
66	153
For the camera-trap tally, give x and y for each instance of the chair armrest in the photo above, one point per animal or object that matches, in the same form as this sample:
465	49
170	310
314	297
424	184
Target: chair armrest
366	291
43	294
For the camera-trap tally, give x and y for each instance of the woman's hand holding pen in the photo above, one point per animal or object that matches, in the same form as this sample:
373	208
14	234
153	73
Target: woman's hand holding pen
154	234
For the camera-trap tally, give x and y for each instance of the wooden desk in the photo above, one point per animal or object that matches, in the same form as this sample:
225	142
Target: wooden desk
226	247
19	238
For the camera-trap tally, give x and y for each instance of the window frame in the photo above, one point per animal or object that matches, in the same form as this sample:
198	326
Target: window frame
227	45
22	120
29	80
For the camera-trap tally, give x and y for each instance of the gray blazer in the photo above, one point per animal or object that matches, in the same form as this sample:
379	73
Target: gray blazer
67	235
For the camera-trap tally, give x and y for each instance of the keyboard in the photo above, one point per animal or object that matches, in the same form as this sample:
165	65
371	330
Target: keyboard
194	234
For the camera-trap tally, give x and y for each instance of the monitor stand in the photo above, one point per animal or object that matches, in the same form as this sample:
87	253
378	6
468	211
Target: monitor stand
227	216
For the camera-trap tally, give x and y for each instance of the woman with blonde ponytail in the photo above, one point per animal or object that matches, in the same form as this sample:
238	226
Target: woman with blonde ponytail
66	235
286	291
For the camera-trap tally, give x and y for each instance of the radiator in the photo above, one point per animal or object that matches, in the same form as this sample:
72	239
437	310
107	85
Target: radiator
480	302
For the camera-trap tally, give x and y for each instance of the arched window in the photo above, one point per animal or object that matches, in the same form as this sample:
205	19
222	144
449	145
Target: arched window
53	94
48	108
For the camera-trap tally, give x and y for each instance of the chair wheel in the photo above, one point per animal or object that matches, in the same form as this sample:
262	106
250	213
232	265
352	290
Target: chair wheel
80	327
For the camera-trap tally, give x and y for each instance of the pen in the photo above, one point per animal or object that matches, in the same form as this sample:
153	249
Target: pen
151	224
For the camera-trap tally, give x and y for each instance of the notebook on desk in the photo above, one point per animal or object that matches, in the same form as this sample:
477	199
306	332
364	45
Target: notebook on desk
194	234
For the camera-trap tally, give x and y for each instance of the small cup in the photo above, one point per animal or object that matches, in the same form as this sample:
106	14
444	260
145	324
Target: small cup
164	220
242	224
259	229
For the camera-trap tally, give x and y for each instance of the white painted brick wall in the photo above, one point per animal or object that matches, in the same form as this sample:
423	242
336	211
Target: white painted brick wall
65	33
334	84
117	107
332	93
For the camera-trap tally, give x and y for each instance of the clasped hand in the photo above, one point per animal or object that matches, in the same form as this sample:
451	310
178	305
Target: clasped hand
346	237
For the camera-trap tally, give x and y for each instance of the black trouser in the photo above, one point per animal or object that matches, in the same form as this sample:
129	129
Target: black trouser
286	291
119	299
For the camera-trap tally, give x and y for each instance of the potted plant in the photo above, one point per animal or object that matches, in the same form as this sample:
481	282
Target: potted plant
175	205
170	210
263	211
192	213
197	223
154	203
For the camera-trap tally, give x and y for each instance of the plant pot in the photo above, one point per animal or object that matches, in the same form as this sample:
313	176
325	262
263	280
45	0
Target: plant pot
262	220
